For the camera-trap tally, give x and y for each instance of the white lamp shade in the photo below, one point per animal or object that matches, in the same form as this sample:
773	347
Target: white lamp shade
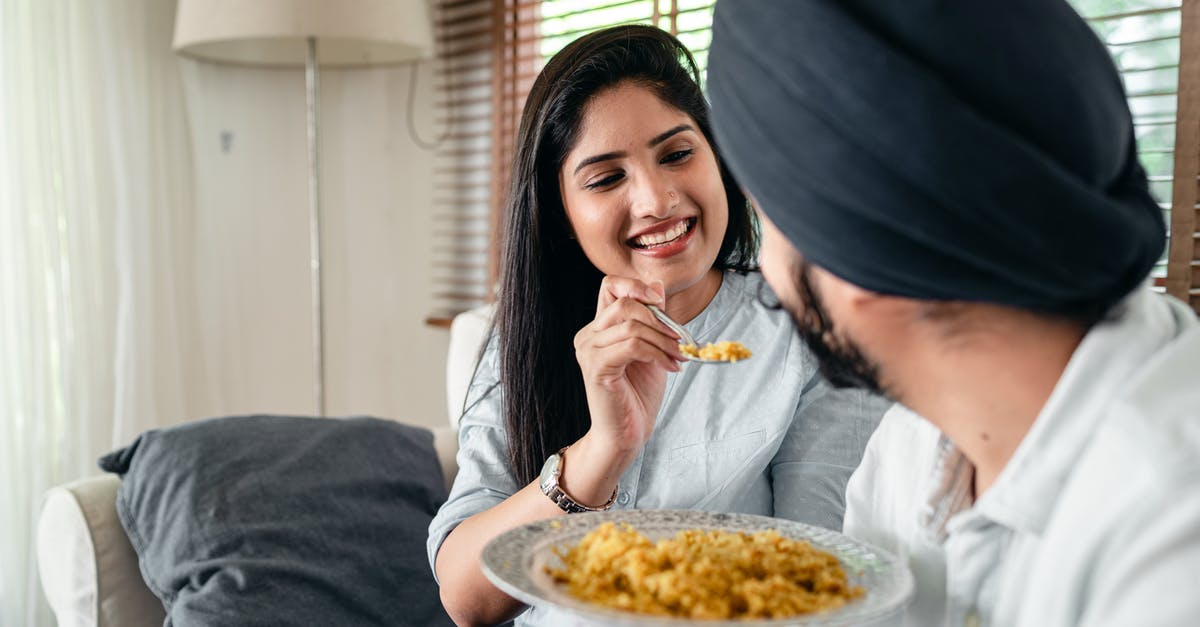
351	33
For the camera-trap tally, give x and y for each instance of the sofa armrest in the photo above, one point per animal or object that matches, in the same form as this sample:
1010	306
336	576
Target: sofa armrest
88	569
468	332
445	442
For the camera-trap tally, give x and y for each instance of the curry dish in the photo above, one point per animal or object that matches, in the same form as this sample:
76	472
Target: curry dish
704	574
721	351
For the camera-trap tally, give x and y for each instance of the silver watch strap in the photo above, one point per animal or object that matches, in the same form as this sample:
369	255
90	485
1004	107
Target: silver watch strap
564	501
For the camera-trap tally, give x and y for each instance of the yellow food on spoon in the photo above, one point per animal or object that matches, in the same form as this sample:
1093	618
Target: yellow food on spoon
721	351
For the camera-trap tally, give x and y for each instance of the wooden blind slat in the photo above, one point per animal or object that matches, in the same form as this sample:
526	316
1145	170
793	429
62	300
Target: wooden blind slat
1152	93
1135	70
463	85
454	170
482	10
463	102
461	220
458	265
1135	42
466	297
479	32
455	4
1137	13
459	282
479	63
459	233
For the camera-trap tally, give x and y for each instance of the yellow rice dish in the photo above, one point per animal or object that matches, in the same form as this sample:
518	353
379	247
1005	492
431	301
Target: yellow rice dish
721	351
704	574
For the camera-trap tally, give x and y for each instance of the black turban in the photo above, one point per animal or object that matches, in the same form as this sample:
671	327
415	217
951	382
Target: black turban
944	150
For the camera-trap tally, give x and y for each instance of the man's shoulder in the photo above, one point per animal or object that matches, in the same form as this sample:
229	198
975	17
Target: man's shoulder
1153	422
891	483
904	434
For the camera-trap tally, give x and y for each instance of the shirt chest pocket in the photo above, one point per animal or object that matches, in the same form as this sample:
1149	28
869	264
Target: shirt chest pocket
697	470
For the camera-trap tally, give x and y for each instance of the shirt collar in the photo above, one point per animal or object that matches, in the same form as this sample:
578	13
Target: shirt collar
1027	489
719	308
950	490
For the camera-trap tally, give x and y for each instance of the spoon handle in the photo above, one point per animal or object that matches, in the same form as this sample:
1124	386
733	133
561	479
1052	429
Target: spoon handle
674	326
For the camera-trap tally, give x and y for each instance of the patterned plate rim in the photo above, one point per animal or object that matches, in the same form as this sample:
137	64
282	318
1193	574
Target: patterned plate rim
508	562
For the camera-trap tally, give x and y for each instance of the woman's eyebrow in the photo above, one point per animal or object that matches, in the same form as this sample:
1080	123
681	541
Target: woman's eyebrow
656	140
662	137
598	158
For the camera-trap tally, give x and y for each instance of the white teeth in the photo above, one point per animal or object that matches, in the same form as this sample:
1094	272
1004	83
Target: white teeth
663	237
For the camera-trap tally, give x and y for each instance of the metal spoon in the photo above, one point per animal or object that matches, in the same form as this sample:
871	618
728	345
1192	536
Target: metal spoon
684	336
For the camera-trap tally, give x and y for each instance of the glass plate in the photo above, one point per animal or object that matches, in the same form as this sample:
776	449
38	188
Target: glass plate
516	562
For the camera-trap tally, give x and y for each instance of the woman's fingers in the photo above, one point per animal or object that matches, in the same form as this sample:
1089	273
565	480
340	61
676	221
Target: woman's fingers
624	331
627	318
625	309
614	288
612	359
628	341
650	332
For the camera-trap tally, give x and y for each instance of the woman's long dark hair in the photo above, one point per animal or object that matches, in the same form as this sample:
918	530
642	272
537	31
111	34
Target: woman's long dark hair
548	288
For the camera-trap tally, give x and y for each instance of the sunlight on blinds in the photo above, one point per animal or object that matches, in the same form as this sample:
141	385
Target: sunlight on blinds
1143	38
565	20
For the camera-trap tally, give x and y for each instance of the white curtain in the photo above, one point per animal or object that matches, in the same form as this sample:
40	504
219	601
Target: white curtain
95	199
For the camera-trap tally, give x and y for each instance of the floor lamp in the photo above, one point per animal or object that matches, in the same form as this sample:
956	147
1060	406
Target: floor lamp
308	34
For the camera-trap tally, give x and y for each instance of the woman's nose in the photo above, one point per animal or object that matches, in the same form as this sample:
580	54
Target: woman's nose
654	197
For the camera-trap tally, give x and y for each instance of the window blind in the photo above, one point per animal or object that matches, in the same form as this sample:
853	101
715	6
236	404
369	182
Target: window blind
1154	45
464	83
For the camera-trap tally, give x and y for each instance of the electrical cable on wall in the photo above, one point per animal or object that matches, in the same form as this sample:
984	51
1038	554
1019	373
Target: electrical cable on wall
410	115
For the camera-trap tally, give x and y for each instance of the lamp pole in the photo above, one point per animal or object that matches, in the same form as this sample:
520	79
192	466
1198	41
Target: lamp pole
312	83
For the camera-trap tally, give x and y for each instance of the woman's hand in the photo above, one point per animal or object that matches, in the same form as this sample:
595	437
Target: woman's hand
625	354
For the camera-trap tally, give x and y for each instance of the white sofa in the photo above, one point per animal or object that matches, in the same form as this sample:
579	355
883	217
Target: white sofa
88	568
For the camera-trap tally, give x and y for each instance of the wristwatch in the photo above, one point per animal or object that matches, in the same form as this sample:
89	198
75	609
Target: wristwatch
548	481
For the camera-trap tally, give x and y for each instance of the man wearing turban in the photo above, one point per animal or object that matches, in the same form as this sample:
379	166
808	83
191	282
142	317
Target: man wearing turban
954	213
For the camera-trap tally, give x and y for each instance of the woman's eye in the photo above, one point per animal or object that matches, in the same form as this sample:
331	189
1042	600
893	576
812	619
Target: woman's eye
678	155
604	182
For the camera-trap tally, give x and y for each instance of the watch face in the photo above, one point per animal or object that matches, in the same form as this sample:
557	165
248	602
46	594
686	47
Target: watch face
549	476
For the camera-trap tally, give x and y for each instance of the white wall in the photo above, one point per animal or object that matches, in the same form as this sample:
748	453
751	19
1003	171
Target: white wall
251	247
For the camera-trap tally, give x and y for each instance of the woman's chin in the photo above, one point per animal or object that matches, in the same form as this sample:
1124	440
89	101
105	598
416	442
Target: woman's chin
676	282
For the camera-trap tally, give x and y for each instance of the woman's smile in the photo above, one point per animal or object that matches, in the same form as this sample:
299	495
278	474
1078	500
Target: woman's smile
665	240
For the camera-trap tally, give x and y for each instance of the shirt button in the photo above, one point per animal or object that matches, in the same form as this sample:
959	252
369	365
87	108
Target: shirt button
972	619
623	498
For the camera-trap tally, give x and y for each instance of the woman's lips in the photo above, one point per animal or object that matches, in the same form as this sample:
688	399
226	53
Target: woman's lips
677	244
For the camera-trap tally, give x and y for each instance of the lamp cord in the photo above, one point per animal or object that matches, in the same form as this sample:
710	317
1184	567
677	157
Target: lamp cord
410	115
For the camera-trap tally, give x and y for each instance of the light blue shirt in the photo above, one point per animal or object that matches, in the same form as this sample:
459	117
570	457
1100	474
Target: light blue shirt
763	436
1096	518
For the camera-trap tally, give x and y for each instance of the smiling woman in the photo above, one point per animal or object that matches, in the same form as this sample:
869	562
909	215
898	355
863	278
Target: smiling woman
643	201
619	200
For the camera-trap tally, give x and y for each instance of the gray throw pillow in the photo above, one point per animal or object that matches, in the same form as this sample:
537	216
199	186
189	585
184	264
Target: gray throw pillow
278	520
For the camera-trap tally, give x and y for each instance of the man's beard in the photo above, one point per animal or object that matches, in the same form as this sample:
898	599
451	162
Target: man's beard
842	363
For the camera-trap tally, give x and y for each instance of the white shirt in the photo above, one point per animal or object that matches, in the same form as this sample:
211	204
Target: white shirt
1096	518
